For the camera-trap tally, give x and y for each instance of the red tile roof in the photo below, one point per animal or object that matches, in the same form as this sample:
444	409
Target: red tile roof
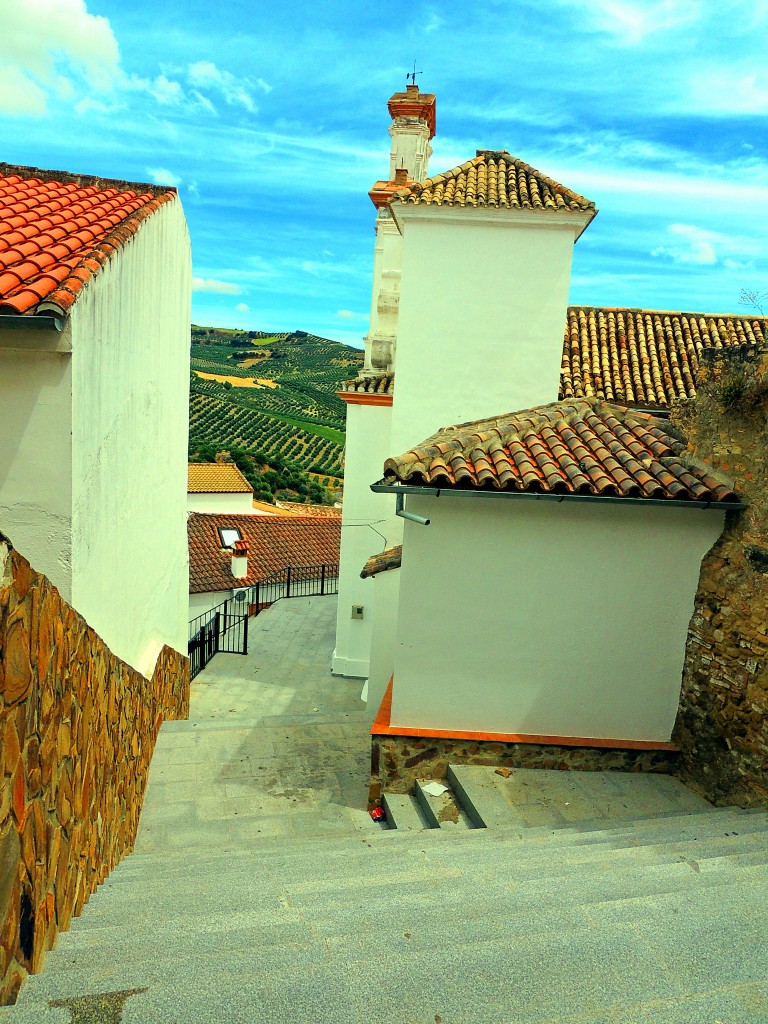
580	446
274	542
216	478
644	357
57	230
494	178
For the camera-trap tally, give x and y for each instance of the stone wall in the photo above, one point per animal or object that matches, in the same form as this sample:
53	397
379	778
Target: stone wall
77	731
397	762
722	724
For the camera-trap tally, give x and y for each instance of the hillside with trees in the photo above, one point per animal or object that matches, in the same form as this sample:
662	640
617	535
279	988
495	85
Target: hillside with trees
270	401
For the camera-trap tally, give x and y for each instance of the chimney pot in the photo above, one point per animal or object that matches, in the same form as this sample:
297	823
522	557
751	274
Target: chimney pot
240	559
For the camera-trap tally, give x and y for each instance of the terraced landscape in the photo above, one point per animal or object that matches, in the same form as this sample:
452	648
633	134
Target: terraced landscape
291	410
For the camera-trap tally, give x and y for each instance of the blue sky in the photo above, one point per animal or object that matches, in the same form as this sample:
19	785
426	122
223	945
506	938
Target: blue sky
271	120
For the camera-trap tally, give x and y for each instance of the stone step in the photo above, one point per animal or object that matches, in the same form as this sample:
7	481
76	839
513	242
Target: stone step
292	913
497	798
403	812
264	893
648	959
341	850
438	803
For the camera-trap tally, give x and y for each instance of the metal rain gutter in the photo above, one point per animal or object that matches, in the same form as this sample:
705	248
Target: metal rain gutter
437	492
34	323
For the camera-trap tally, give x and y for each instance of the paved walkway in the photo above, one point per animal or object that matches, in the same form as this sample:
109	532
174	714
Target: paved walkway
274	746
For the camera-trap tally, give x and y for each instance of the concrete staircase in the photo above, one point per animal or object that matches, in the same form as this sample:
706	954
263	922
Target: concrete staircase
564	910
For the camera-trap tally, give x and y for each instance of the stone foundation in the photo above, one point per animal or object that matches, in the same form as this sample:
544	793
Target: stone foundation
77	731
722	724
398	761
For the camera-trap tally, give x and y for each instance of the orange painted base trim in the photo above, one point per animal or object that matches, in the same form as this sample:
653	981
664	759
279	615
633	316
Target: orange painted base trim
362	398
382	727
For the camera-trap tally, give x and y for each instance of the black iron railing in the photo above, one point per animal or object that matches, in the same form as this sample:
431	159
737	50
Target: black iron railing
225	627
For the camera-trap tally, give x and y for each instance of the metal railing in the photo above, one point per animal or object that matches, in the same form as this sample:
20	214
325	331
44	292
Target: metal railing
225	627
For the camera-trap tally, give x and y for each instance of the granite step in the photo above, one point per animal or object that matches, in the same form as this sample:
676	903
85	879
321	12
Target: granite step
403	813
599	961
440	807
498	798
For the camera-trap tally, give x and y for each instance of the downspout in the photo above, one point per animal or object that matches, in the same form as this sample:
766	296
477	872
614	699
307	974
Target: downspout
410	516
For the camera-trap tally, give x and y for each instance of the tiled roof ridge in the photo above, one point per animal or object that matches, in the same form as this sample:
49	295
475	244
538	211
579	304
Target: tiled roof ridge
581	446
697	314
60	230
371	383
528	191
84	180
383	561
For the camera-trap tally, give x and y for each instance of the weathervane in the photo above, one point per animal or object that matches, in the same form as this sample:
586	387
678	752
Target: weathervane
412	74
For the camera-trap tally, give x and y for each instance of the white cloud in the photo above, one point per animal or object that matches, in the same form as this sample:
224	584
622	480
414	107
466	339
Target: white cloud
689	244
204	74
242	307
43	44
347	314
630	23
730	90
166	91
210	284
162	176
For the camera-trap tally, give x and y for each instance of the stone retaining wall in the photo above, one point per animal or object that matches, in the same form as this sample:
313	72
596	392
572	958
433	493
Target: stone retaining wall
722	724
77	731
398	761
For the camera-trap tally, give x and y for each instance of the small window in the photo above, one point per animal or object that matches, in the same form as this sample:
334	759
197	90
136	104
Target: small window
229	534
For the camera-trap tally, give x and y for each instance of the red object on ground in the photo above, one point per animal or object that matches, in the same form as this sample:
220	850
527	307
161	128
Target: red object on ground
378	814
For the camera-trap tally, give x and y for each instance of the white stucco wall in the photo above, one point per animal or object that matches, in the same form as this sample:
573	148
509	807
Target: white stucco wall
36	450
201	603
242	504
130	370
545	618
483	300
384	633
367	446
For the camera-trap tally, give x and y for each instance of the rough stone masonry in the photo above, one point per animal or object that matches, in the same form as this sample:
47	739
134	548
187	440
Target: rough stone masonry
722	723
77	731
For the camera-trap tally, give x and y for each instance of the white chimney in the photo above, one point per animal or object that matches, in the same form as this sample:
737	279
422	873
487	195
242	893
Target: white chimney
240	559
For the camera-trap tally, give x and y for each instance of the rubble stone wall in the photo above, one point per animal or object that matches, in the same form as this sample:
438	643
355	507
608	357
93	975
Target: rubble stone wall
397	762
77	731
722	723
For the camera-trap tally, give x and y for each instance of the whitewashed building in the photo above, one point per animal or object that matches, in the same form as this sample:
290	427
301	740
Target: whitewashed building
95	282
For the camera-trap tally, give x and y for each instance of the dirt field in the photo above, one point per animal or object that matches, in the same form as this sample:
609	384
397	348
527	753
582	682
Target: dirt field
239	382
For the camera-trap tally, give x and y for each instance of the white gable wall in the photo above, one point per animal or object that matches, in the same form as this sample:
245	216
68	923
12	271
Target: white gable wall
544	618
366	527
216	501
483	300
36	449
130	362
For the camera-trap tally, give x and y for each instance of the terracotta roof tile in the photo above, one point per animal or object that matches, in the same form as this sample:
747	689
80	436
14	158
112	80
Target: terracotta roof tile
391	558
57	230
371	384
216	478
274	542
643	357
579	446
496	179
314	511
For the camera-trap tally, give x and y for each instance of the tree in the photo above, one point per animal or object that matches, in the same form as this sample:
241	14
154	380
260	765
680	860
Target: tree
755	299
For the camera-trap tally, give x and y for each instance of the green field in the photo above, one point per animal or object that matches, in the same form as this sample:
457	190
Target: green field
301	419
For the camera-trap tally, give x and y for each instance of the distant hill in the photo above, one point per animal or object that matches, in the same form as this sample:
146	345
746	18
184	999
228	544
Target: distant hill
279	398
